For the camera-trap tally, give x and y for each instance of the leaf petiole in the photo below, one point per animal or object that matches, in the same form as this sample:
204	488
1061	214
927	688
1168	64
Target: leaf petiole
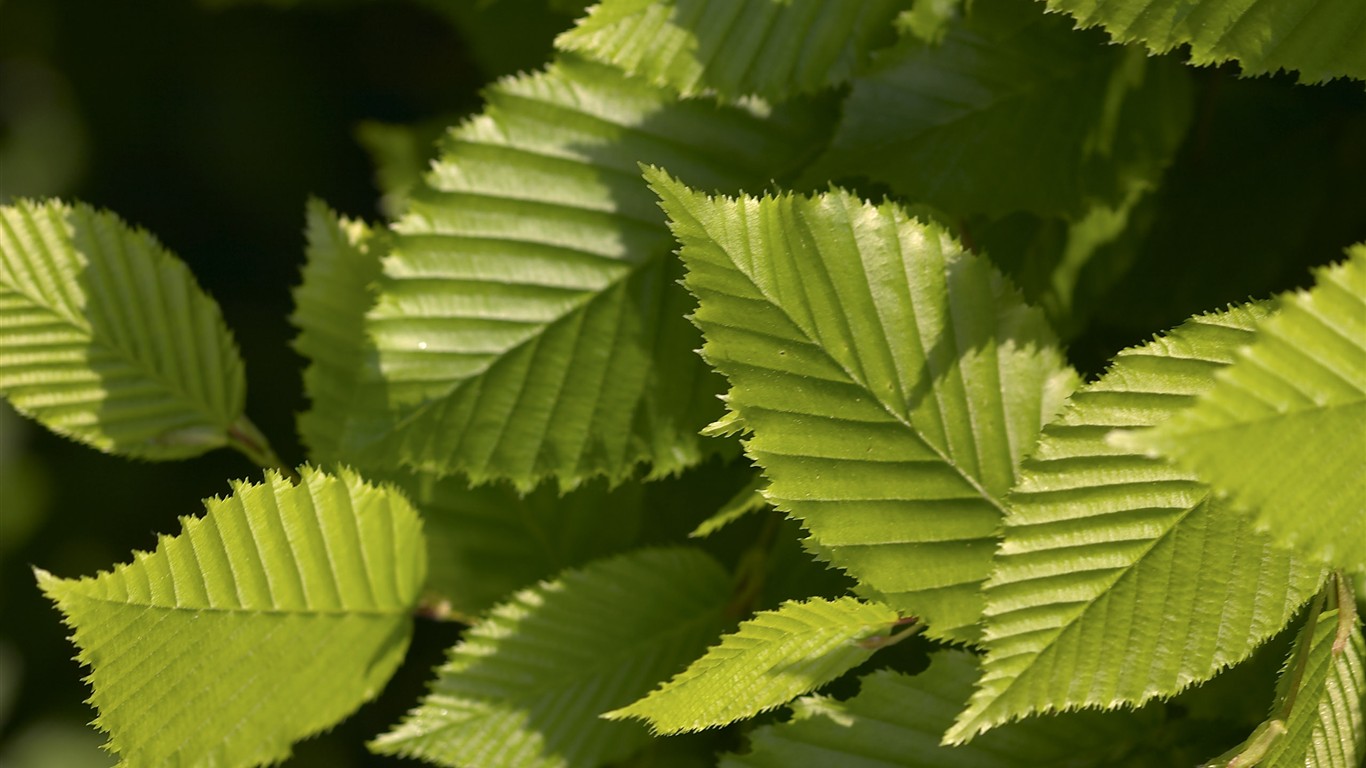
910	626
248	440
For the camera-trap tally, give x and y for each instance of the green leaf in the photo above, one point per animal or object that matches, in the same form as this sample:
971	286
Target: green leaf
1120	577
528	324
734	47
748	499
1064	266
400	155
490	541
1012	111
771	659
267	620
525	687
1322	39
870	355
929	20
106	338
897	720
342	263
1284	430
1325	727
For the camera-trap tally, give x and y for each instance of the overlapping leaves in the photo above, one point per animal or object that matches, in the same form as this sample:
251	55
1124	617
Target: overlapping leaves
1012	111
527	323
342	263
771	659
1121	577
107	339
1287	421
1324	686
897	720
871	357
267	620
490	541
735	47
525	687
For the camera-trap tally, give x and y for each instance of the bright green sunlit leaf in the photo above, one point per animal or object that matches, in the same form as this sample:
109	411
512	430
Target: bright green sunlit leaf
735	47
1284	431
525	687
267	620
1322	39
1325	727
891	380
771	659
1121	578
528	322
106	338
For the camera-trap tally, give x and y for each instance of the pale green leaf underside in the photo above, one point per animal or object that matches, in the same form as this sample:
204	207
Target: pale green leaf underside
106	338
528	323
342	262
869	355
897	720
1012	111
267	620
734	47
1120	578
1322	39
1284	430
768	661
1326	728
524	689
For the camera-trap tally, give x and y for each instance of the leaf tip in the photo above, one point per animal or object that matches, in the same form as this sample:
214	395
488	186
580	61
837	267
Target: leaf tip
46	581
968	726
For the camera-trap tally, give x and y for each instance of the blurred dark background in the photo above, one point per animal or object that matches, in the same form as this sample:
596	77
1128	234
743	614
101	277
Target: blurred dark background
210	125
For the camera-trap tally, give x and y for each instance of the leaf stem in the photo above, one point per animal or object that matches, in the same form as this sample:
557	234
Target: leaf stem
248	440
752	569
1347	612
1301	658
910	626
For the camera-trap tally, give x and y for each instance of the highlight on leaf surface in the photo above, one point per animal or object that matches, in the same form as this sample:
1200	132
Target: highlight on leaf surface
769	660
526	685
1012	111
528	325
267	620
1121	578
1322	39
898	719
735	47
871	358
106	338
1284	430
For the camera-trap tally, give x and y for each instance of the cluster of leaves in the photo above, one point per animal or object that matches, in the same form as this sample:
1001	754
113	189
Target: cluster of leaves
510	425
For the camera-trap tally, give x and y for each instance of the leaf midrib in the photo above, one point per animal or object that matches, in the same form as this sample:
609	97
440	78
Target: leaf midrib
274	611
905	421
80	323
